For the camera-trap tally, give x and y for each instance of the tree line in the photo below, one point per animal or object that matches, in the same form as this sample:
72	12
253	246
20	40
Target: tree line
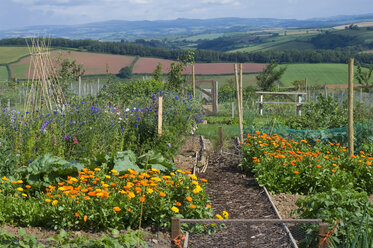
206	56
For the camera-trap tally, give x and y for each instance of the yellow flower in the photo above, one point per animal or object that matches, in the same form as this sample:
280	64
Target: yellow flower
131	194
47	200
226	215
114	171
219	217
193	176
175	209
107	177
4	178
19	181
24	195
20	189
54	203
172	174
197	190
150	191
97	169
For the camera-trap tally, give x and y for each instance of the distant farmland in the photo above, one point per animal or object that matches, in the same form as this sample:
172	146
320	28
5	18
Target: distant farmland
316	74
93	63
96	64
12	54
147	66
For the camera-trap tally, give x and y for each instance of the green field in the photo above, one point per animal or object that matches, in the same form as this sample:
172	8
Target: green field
12	54
316	74
3	74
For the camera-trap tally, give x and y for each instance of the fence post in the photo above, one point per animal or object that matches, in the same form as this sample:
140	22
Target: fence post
216	96
221	138
323	231
261	105
8	103
175	227
79	87
160	115
193	81
232	110
351	106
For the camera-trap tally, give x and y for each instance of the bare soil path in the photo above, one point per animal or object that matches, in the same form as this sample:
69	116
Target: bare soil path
240	195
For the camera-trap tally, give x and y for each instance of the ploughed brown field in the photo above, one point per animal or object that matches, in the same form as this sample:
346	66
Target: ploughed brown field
93	63
97	63
147	66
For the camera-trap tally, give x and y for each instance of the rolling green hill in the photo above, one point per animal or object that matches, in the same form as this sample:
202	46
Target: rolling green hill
316	74
12	54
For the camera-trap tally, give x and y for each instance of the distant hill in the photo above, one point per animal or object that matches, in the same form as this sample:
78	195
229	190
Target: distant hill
117	30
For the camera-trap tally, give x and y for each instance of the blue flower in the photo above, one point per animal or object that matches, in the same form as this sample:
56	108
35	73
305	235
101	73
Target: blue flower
30	161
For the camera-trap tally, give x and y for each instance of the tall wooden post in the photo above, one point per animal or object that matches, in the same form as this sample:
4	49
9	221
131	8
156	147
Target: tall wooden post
193	81
351	106
232	110
216	96
238	102
241	98
160	115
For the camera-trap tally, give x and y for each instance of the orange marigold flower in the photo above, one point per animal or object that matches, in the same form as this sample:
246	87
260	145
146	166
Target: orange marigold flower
28	186
208	206
162	194
116	209
296	172
178	204
368	163
129	210
333	171
192	206
85	218
142	198
318	166
188	198
77	214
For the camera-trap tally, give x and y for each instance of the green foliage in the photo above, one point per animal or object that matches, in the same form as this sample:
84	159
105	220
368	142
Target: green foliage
70	239
67	71
8	160
363	77
268	76
158	72
350	207
47	169
135	93
125	72
326	113
175	79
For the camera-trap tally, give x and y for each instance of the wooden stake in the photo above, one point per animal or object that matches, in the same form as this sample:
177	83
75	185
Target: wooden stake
175	227
216	93
160	115
221	138
241	99
238	103
232	110
351	106
323	231
79	87
194	81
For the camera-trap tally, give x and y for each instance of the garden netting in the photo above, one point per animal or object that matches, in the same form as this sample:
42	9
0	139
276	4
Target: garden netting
363	133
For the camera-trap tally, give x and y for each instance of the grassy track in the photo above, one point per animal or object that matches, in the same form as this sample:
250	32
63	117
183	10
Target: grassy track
316	74
3	74
12	54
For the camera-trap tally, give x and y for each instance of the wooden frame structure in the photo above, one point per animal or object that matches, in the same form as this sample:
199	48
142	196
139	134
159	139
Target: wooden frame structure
213	94
298	101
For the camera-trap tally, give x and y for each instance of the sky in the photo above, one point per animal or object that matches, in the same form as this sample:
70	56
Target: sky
22	13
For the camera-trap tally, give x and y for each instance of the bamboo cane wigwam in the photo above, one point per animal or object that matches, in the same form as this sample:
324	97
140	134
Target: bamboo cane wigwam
43	93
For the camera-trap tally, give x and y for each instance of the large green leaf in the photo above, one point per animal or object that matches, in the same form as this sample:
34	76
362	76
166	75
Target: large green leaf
124	161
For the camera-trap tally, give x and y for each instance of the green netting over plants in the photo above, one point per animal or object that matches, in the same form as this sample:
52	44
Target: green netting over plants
363	133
